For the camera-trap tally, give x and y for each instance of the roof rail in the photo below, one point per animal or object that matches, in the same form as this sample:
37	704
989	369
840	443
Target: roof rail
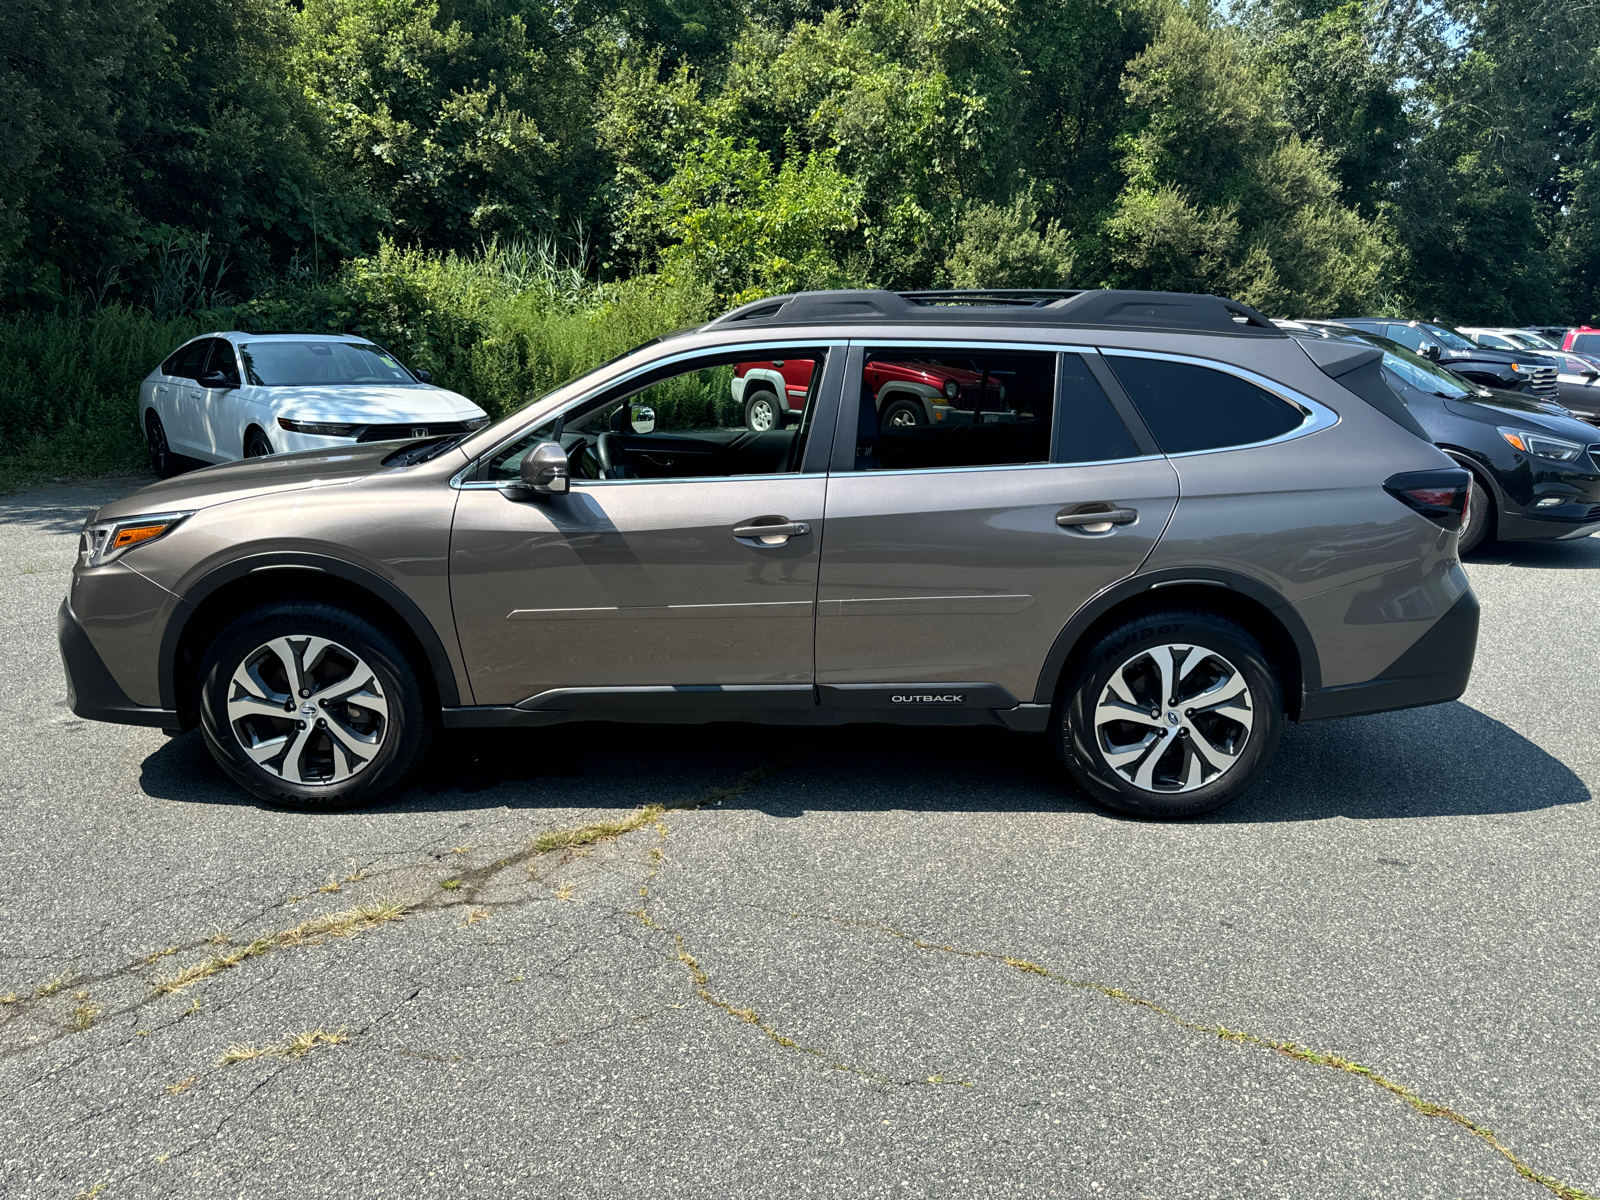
1177	312
1031	297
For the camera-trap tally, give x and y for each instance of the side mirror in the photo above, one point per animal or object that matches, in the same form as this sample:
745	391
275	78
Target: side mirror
1430	350
423	375
215	381
544	469
643	418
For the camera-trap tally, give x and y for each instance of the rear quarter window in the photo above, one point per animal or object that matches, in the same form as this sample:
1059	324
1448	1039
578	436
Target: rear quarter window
1190	407
1585	343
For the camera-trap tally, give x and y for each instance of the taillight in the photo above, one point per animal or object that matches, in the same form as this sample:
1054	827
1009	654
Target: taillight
1441	495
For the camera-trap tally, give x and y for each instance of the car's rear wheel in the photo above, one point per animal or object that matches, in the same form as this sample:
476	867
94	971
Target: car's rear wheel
312	707
1479	529
761	412
1174	714
162	464
256	444
902	414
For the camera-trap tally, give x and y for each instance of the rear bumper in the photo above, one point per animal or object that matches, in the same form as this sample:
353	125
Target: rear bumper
1433	671
92	693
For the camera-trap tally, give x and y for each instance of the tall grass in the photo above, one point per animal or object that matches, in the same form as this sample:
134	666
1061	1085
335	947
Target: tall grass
69	385
502	327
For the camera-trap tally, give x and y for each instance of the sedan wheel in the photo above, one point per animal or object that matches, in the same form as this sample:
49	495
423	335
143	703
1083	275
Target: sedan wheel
312	707
256	444
1480	519
155	437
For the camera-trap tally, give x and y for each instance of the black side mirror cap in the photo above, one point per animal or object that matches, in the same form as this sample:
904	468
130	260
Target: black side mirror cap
216	381
423	375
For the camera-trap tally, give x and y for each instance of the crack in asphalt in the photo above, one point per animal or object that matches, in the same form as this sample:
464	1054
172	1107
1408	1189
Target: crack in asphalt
562	844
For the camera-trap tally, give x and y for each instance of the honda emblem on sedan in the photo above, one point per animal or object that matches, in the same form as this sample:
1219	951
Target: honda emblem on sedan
419	431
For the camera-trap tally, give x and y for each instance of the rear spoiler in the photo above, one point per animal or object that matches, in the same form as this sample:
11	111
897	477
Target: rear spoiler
1358	368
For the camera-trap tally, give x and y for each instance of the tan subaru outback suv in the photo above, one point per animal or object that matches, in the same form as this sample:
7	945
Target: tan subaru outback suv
1181	529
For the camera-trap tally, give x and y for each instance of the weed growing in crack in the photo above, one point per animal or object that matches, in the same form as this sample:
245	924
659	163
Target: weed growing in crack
182	1086
83	1016
1426	1107
450	885
297	1045
564	892
460	849
333	885
159	954
52	986
474	915
8	998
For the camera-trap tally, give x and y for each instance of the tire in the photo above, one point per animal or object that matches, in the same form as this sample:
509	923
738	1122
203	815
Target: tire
1478	532
296	759
1215	755
256	444
903	414
163	463
761	411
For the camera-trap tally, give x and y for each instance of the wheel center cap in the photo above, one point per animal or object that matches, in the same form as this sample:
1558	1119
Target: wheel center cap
1173	718
310	710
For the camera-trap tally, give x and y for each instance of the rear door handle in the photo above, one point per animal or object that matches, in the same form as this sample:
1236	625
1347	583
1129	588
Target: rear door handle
1106	515
770	531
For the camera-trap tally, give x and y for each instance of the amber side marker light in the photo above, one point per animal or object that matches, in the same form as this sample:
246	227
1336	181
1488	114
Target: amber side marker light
133	535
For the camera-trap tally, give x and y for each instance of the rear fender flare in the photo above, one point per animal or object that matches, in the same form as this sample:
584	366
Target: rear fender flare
1202	581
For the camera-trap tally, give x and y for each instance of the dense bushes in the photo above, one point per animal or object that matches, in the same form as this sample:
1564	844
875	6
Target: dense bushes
502	327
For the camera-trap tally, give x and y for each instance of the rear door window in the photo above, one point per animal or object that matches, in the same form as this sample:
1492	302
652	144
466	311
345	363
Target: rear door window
938	408
185	364
1190	407
1090	430
1585	343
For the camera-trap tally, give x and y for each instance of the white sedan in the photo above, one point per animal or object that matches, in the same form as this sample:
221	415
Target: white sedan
224	396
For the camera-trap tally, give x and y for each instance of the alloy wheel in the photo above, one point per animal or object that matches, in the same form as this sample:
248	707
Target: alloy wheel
307	710
902	418
762	416
1174	718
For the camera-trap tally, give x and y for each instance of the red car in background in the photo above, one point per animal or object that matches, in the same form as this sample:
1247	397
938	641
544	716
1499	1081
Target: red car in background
918	391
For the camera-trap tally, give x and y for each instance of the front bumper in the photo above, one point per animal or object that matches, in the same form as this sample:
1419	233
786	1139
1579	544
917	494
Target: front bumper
91	691
1434	670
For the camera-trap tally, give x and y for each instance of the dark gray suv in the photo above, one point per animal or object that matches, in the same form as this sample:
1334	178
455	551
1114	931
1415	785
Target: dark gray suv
1166	528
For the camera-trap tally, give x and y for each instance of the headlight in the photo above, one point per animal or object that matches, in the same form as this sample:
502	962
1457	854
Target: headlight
321	430
952	389
107	541
1542	444
1522	370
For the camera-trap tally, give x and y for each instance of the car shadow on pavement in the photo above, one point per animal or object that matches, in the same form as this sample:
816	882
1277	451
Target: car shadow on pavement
1447	760
1576	555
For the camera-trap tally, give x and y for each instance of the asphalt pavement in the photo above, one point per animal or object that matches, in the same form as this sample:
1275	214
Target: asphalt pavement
865	962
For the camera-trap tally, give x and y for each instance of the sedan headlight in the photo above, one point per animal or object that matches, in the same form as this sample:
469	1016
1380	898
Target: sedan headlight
106	541
1542	444
319	428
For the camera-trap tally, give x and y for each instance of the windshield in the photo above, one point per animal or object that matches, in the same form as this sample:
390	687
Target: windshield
1451	339
1418	371
1532	341
298	364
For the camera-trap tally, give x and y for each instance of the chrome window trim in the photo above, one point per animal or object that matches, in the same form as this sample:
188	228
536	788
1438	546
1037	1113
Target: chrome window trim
457	480
967	344
1317	416
575	484
920	472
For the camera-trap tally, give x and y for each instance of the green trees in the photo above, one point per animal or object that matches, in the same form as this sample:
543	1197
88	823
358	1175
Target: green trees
1310	157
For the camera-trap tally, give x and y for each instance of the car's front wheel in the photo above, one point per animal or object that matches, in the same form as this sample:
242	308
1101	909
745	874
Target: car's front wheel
903	414
256	444
312	707
162	463
1480	518
1174	714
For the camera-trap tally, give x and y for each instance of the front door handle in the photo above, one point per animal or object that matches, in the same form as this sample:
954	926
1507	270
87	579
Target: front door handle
771	531
1099	518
